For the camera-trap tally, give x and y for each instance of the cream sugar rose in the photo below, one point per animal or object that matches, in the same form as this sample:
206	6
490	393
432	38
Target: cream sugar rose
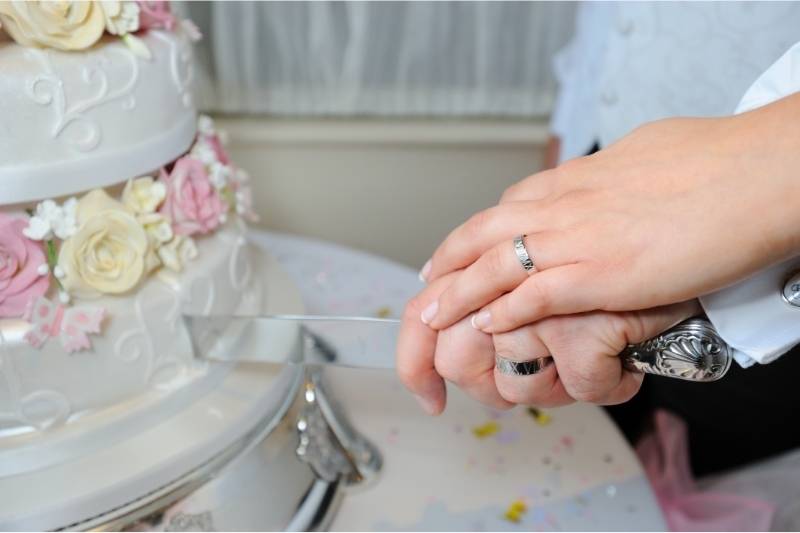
68	255
79	25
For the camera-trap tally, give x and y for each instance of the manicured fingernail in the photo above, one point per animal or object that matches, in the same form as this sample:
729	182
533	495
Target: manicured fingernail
481	320
428	405
429	312
425	272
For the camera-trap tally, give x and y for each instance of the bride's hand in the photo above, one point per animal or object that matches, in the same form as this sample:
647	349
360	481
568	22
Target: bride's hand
677	209
585	350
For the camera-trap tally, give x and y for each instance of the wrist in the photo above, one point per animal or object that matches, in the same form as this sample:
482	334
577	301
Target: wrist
767	151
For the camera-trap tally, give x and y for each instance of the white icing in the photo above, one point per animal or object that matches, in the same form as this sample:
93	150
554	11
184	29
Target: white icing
138	347
94	118
48	90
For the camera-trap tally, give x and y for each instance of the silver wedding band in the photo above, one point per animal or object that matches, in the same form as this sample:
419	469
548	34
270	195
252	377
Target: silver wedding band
521	368
523	255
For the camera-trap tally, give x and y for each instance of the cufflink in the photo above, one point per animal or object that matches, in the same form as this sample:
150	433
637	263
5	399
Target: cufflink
791	290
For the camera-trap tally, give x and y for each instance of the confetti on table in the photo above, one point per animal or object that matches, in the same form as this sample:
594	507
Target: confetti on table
384	312
516	511
508	437
541	417
486	430
568	442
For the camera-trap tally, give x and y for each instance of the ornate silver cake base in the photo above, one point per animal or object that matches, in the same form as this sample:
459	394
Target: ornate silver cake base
288	473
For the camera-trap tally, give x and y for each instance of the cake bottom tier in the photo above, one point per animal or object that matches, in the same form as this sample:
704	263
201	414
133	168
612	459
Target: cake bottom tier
106	459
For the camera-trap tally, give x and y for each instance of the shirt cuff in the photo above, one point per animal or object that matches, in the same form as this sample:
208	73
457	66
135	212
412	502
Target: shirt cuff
753	318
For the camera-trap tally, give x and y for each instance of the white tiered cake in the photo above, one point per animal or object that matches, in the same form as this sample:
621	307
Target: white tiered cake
119	211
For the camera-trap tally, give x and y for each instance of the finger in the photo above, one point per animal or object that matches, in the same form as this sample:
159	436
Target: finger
495	273
465	357
535	187
559	290
543	389
485	229
644	325
595	377
416	347
587	348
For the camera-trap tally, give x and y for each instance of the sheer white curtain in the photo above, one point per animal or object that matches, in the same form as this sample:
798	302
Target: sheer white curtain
379	58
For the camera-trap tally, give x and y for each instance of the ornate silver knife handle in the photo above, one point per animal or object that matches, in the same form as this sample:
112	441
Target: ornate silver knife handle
692	350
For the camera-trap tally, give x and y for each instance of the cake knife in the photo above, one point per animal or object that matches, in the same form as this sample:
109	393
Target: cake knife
692	350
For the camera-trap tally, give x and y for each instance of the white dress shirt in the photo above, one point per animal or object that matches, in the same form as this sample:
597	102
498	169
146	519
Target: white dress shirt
752	316
635	62
631	63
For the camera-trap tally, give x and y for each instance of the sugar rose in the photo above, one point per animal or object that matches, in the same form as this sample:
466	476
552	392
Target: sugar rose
155	14
109	254
193	205
121	17
63	25
21	264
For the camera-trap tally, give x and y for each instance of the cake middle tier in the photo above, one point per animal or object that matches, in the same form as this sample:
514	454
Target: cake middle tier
142	346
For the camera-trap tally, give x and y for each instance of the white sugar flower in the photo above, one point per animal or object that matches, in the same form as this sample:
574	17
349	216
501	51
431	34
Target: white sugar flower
176	253
144	195
122	17
243	197
204	152
219	175
205	125
51	220
157	227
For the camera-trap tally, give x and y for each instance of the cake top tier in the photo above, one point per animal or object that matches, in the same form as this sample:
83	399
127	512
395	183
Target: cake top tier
91	94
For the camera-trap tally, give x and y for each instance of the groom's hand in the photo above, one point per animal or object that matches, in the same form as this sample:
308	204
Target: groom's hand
585	349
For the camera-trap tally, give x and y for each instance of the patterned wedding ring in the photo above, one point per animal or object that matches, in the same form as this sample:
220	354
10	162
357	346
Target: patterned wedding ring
523	255
521	368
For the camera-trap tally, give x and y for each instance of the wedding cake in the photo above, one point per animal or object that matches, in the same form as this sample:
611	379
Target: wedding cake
120	210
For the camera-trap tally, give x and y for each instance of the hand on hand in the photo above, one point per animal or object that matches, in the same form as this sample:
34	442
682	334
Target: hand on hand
585	349
677	209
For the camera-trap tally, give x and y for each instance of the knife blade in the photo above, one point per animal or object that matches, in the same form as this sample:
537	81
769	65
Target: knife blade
692	350
356	342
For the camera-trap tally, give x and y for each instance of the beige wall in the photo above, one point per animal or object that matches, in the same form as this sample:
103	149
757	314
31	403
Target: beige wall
393	188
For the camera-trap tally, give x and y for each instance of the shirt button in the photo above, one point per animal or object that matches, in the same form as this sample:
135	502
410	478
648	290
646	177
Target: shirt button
791	290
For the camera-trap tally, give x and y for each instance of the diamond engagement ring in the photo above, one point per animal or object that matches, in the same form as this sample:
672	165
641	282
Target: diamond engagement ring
521	368
523	255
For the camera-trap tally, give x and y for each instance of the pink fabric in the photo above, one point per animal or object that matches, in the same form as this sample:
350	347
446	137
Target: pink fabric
20	259
155	14
665	456
192	204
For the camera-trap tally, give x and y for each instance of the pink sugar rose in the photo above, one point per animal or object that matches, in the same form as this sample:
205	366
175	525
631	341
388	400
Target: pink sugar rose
155	14
192	204
20	260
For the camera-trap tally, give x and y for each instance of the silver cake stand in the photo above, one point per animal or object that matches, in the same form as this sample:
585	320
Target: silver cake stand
288	473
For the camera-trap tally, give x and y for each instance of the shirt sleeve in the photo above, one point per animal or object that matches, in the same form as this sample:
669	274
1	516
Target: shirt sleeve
752	316
577	69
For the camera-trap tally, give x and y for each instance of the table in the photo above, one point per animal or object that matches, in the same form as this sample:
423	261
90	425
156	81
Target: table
472	468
